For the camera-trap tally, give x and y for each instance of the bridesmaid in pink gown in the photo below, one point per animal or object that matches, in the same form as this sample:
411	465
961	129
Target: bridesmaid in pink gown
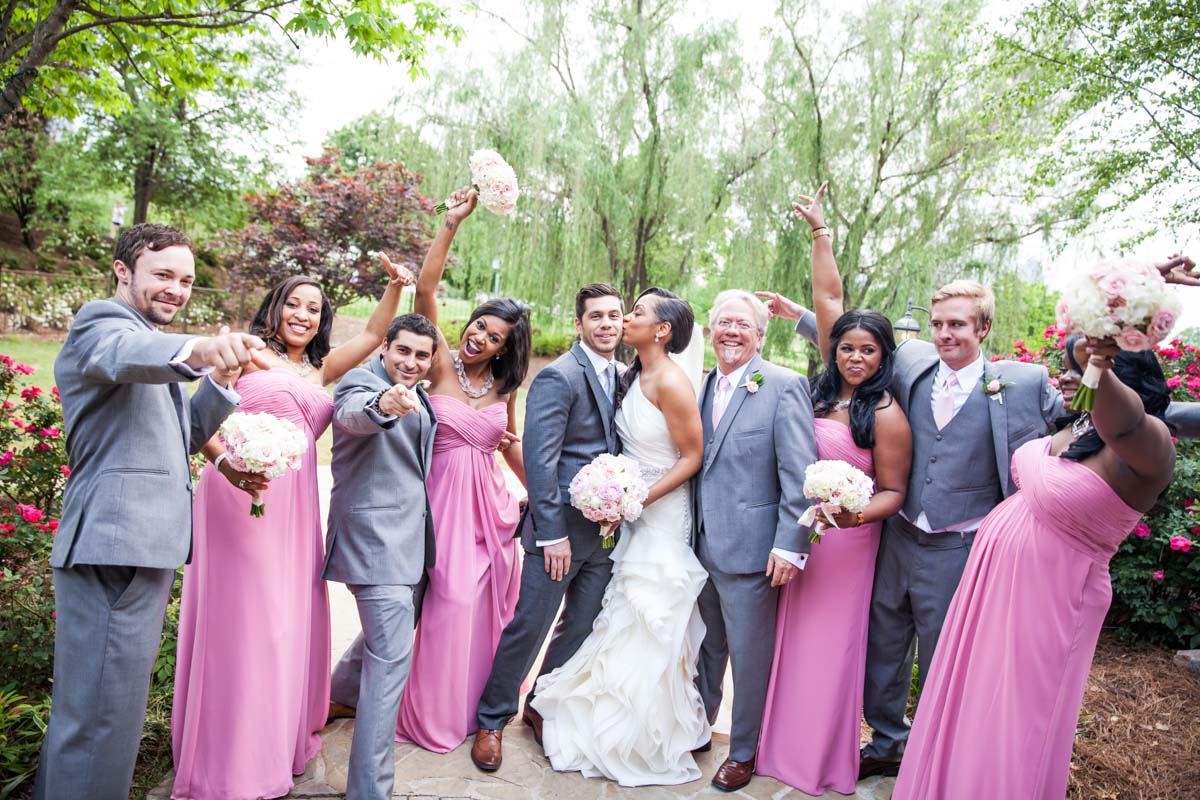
998	713
252	659
472	589
810	733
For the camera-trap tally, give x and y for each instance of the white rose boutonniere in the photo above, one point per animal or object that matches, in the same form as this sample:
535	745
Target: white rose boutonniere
753	383
994	388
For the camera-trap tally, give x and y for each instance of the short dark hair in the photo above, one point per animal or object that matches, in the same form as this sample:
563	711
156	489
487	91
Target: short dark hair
592	291
269	317
509	369
147	236
413	323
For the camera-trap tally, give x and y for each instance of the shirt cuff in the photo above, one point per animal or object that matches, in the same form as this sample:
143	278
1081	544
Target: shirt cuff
226	391
797	560
179	362
548	542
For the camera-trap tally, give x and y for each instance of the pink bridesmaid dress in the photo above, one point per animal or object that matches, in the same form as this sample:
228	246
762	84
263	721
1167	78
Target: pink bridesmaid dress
473	585
810	732
998	714
252	665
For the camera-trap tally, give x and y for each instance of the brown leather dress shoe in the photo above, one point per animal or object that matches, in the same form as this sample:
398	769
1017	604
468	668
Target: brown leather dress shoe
339	711
486	751
869	765
534	720
733	775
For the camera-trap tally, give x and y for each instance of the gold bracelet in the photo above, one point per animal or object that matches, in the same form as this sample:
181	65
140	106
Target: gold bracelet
819	232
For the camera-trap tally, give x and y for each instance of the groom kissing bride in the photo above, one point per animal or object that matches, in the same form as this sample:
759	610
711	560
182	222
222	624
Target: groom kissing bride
632	678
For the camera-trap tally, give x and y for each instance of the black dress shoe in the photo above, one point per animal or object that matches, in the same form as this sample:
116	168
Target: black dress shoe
868	766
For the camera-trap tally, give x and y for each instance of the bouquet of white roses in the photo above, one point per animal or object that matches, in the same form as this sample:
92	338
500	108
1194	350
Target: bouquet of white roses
1125	300
836	486
264	444
495	181
610	489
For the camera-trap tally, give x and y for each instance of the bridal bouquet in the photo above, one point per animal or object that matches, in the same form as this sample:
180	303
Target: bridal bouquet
836	486
1125	300
495	181
262	443
610	489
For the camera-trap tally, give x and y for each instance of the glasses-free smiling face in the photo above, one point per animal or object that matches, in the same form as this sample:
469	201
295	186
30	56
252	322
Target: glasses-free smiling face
408	358
957	334
601	324
484	339
735	336
1068	379
159	285
300	317
858	356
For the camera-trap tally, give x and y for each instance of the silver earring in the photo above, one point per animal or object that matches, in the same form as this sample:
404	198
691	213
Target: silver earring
657	336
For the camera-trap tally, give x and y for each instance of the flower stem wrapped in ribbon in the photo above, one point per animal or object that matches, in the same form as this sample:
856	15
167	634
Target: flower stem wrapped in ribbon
835	486
611	489
1125	300
264	444
495	181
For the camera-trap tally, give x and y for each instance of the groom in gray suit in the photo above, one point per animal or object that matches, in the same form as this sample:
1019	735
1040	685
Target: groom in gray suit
380	537
127	510
568	422
749	495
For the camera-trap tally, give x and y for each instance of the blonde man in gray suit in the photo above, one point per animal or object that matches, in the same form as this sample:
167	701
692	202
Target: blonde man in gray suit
127	510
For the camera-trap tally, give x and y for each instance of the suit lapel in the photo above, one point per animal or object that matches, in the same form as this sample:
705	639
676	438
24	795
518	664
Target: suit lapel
920	369
602	401
998	413
735	404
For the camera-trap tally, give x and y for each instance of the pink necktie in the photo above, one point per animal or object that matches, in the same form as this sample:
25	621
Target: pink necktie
720	400
943	411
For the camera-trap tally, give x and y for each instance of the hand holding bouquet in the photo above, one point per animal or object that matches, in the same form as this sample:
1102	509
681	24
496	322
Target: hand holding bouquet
836	486
263	444
1123	300
609	490
494	180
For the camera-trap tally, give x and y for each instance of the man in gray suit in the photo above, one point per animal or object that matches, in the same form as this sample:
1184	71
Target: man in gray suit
380	536
568	422
127	511
749	496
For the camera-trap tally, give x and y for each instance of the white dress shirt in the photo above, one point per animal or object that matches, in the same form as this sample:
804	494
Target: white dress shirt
179	362
601	365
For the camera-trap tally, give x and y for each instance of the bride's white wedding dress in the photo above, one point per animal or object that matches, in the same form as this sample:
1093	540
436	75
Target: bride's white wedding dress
625	706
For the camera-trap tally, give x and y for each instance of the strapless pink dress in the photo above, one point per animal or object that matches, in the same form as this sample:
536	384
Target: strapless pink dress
252	664
998	714
474	583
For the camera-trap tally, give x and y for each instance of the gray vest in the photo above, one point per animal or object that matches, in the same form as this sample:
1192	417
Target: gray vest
953	478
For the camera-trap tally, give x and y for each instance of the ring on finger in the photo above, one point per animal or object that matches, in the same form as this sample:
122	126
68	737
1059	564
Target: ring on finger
242	483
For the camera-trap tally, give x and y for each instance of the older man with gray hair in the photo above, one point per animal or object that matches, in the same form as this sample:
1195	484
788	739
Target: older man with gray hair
748	496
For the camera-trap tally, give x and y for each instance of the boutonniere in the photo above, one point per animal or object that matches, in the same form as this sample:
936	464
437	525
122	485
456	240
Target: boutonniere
753	383
995	387
425	384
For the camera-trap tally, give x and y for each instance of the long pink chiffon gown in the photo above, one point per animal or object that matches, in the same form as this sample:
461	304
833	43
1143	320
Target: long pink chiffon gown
810	733
473	585
252	668
998	713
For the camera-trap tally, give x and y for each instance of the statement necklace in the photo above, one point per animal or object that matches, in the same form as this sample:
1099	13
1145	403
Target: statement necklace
841	404
304	368
1081	426
465	384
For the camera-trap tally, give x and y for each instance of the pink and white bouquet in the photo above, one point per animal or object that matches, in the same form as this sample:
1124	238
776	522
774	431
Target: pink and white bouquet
836	486
611	489
495	181
264	444
1126	300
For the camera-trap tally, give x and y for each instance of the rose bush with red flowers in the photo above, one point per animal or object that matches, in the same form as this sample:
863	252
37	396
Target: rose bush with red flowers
1156	571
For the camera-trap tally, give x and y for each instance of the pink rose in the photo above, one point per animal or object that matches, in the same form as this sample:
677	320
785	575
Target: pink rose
1174	382
1114	286
6	458
1054	382
993	386
1158	575
1141	530
29	512
1177	543
1161	324
65	470
24	369
1132	339
1062	315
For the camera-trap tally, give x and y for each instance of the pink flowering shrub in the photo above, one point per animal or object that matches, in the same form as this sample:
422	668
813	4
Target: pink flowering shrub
1156	571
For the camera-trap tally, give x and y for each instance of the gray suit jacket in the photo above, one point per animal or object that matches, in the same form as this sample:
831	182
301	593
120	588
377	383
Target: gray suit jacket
749	493
568	422
380	530
130	427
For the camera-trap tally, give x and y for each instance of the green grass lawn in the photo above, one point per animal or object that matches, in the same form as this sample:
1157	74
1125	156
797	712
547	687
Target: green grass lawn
36	353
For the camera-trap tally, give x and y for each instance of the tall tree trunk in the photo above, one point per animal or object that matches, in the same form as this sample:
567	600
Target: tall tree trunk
45	39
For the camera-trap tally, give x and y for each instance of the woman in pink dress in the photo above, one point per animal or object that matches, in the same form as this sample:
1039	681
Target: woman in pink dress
998	712
472	589
252	660
810	733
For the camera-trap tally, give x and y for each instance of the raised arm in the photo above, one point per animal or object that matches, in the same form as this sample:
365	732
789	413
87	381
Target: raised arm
462	203
827	300
351	353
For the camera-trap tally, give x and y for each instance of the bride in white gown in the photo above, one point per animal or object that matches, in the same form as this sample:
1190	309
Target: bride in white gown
625	706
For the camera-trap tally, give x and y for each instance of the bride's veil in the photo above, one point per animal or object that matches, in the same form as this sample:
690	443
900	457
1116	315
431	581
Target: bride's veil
692	358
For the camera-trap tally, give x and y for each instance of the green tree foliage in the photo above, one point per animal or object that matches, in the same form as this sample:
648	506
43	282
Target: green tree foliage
1123	83
57	55
23	139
